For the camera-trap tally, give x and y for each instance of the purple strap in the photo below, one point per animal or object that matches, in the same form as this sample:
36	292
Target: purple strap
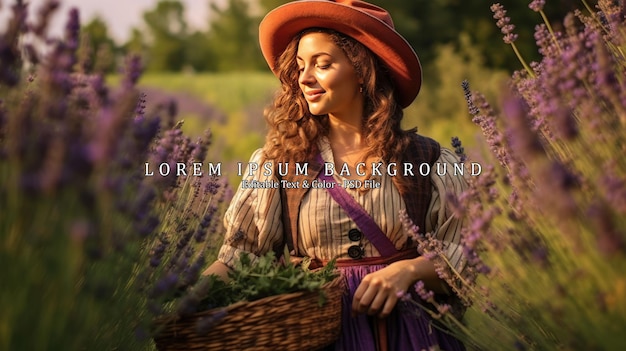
356	212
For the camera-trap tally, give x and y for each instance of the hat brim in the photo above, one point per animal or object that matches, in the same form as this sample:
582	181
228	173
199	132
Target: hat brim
283	23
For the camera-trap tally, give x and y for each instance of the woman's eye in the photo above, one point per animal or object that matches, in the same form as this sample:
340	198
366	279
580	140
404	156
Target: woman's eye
322	66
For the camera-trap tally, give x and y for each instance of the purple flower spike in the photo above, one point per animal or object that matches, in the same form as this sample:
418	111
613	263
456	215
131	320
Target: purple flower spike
133	71
205	324
537	5
72	29
459	150
609	239
165	285
473	110
403	296
503	23
423	293
522	138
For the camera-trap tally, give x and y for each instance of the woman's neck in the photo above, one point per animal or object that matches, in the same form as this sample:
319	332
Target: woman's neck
346	132
347	142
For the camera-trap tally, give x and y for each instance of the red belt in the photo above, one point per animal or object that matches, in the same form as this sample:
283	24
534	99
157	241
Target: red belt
366	261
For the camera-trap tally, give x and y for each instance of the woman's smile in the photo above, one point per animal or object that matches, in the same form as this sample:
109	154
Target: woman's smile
313	95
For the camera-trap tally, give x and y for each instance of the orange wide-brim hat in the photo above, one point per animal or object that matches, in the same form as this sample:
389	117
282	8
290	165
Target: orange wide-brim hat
369	24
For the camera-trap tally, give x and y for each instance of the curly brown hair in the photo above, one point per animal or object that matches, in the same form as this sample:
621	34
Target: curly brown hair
294	132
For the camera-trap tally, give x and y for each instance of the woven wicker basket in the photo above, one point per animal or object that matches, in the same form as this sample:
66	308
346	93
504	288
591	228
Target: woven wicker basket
287	322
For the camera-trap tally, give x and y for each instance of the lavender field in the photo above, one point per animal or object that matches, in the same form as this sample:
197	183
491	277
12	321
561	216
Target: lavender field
547	235
93	250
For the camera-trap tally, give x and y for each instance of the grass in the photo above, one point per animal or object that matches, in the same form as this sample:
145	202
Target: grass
229	92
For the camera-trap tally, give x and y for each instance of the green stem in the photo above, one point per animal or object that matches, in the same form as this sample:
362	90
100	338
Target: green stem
521	59
587	6
595	17
459	276
545	20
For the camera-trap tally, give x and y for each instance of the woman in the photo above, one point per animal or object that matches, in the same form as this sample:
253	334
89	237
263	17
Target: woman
346	74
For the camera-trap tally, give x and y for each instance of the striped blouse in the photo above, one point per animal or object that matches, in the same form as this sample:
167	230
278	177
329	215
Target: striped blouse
253	220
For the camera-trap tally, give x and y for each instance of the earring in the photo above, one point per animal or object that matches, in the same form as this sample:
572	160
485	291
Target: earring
361	89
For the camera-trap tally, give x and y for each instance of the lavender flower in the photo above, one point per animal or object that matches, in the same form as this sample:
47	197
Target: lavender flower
521	137
560	155
609	240
147	226
614	190
212	186
458	149
72	30
503	23
473	110
443	309
408	225
486	120
565	123
71	151
200	147
133	71
543	40
164	286
158	252
205	324
507	29
10	60
141	106
188	305
403	296
194	270
607	83
518	345
423	293
144	129
537	5
206	220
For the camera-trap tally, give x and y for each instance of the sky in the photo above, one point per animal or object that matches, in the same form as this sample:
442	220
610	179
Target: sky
120	15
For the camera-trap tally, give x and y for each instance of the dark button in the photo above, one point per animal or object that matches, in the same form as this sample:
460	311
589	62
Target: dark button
355	252
355	234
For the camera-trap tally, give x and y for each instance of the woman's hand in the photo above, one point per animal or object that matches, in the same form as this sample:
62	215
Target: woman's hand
377	294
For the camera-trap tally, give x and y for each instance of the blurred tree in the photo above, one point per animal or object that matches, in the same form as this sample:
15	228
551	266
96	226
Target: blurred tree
98	42
167	33
199	53
426	24
414	18
481	27
268	5
233	37
136	43
231	41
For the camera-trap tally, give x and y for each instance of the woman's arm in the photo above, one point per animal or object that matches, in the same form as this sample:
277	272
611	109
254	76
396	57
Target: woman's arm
252	222
219	269
378	292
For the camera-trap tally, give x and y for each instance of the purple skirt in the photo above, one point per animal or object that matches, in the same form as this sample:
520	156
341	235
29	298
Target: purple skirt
408	327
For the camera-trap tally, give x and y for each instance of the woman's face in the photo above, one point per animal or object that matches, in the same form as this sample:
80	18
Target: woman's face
327	77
